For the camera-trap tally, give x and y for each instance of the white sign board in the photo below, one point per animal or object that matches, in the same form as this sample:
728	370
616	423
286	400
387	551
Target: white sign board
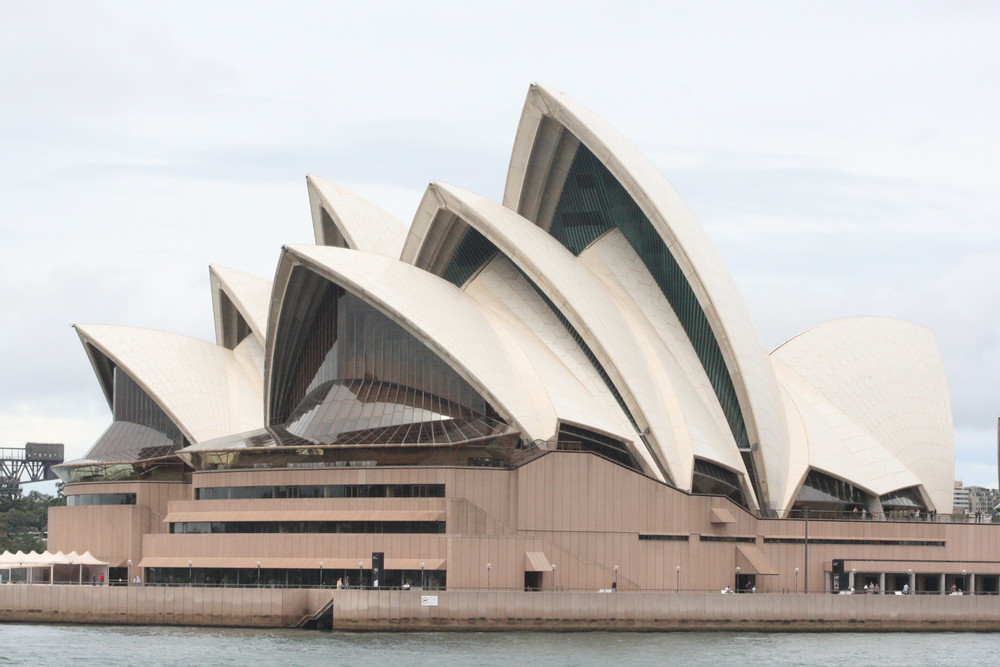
429	600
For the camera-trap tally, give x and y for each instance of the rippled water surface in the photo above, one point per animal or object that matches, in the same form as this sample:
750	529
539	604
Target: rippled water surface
119	645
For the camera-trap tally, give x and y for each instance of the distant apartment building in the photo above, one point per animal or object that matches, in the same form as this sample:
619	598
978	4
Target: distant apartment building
973	499
960	502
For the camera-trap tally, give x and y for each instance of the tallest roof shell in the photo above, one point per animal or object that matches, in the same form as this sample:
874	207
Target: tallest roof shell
551	128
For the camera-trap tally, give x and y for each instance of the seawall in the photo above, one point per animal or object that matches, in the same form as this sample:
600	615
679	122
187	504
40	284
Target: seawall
500	610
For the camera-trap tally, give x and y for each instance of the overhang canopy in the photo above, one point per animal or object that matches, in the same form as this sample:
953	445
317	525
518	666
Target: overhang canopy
722	515
753	561
535	561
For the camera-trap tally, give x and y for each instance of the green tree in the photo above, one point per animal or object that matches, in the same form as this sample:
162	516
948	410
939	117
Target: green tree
24	521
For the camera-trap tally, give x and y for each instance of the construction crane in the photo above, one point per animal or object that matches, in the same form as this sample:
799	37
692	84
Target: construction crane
23	465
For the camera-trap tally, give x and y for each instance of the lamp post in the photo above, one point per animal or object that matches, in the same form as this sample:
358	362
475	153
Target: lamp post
737	578
964	584
614	584
796	580
360	565
422	584
190	574
258	574
321	574
553	576
489	566
20	566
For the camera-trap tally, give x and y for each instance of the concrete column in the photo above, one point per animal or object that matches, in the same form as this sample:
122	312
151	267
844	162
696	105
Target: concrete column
944	591
850	579
881	583
913	582
972	584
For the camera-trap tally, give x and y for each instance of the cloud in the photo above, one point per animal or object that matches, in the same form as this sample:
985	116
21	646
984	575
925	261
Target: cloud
841	156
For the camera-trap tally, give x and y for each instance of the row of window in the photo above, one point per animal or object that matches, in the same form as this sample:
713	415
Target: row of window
880	543
215	527
726	538
101	499
321	491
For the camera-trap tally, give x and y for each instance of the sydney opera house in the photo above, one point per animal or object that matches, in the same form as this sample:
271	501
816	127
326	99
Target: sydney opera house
562	391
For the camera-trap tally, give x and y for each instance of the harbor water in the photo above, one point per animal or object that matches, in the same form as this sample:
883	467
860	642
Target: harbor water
26	644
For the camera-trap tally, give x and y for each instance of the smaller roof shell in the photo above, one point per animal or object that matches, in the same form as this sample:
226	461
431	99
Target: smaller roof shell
881	379
438	314
352	221
250	295
201	386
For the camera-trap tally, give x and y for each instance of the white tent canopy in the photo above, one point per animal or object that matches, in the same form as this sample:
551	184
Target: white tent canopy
34	559
70	567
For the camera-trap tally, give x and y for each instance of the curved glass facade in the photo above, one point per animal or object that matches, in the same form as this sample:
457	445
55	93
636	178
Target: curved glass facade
141	429
712	479
907	499
823	492
359	377
593	202
471	254
576	437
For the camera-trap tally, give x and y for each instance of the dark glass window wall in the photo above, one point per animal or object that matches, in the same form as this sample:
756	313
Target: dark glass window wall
321	491
294	578
141	429
242	527
593	202
101	499
353	369
712	479
825	493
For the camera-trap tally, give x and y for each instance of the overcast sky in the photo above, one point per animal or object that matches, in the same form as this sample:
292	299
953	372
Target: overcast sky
843	156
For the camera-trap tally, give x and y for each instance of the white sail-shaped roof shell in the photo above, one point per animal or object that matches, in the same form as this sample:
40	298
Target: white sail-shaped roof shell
202	387
486	356
631	353
351	221
751	373
879	385
249	294
576	391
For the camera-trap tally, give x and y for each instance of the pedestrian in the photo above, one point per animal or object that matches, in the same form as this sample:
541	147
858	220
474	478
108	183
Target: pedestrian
102	580
340	582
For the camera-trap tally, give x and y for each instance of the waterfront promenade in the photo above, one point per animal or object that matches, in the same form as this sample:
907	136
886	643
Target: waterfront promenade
493	610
